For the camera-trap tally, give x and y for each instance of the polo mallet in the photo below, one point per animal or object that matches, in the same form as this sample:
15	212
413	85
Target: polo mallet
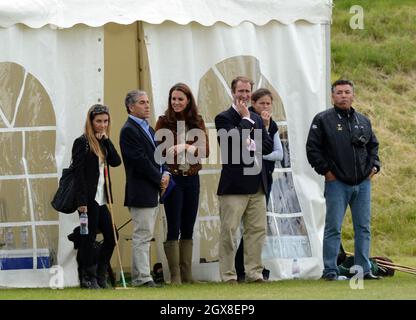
390	265
110	206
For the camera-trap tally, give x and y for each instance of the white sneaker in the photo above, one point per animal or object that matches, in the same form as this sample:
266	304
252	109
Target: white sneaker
342	278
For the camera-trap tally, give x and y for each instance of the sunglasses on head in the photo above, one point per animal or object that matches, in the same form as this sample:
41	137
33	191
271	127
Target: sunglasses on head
99	109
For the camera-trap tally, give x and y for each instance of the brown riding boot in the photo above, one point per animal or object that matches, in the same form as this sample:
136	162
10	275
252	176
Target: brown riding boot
172	254
185	261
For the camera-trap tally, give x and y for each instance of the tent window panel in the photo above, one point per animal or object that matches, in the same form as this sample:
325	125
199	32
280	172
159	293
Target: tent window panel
40	151
240	65
272	248
295	246
11	81
209	232
8	236
213	98
283	197
47	238
286	247
11	155
272	228
292	226
208	199
14	201
16	238
43	191
35	108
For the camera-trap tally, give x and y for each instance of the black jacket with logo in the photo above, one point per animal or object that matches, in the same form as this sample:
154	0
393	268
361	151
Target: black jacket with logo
344	143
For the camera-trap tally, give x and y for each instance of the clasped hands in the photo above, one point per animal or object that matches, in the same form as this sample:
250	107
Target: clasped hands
180	148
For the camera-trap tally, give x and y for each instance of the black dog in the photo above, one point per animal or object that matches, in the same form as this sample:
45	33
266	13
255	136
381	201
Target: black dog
75	237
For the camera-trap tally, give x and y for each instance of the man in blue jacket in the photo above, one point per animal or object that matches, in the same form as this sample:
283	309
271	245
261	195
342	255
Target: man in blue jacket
144	180
343	147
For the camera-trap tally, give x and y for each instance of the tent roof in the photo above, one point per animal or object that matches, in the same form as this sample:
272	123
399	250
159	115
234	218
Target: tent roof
66	13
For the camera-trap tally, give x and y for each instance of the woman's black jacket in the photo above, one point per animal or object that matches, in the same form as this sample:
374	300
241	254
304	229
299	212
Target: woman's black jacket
86	169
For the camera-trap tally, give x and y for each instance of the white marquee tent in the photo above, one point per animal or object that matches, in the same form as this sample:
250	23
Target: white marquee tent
58	57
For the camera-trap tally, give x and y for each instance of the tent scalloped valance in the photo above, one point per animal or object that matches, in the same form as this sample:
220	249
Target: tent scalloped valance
95	13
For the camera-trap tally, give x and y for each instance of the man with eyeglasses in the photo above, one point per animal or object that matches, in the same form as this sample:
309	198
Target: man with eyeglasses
145	179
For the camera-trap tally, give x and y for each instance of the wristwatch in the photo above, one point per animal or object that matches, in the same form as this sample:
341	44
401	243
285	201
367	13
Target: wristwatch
375	170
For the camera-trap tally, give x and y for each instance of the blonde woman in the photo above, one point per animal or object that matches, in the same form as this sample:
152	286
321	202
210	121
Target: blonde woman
91	152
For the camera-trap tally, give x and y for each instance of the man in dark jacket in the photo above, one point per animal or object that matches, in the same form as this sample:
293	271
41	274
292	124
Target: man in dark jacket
144	180
243	183
342	147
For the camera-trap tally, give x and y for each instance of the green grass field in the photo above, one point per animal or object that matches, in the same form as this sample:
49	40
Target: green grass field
401	286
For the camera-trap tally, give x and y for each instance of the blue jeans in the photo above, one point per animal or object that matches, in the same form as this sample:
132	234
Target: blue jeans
338	196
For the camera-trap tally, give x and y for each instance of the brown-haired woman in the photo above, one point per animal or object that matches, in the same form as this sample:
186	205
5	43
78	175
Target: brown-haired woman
91	152
262	103
184	156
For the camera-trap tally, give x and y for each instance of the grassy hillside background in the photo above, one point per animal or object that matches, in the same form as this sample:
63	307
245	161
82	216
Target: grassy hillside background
381	60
